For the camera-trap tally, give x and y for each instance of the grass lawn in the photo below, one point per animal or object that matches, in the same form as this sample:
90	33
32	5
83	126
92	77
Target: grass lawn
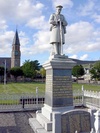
91	87
18	88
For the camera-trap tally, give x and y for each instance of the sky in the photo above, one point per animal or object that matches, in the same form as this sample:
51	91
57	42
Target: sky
31	18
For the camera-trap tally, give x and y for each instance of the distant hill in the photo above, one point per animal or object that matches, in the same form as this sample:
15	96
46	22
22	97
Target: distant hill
81	62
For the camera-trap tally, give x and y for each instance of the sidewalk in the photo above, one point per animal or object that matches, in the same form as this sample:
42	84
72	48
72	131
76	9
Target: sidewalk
16	122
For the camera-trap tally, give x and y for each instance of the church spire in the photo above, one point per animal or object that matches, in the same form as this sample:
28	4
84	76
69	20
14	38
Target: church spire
16	39
15	56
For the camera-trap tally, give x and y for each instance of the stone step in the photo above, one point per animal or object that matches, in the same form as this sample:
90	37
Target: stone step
44	122
34	124
37	128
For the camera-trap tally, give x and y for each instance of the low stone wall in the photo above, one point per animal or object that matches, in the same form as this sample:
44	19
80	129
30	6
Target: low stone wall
88	82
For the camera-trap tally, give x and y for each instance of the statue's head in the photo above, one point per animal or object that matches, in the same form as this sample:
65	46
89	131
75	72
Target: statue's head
58	9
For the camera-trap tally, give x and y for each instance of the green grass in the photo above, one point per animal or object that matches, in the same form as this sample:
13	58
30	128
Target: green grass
9	102
19	88
91	87
27	88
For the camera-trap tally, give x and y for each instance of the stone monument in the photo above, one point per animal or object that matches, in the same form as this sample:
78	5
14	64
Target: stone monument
54	116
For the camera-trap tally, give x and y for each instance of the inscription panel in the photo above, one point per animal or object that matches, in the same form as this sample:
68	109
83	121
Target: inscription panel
59	86
75	120
62	86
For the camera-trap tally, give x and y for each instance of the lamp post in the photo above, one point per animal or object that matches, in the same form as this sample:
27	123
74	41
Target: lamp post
5	72
37	97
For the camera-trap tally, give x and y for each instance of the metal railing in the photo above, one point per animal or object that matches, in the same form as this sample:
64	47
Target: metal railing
34	101
17	102
87	98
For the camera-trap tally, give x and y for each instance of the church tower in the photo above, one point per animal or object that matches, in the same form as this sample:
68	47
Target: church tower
16	54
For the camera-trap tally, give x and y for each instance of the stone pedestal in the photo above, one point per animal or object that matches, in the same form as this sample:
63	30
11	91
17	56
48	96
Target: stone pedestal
58	95
58	82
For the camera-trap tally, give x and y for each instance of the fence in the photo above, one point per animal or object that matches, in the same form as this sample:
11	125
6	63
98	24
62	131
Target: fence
33	101
92	99
87	98
78	98
18	102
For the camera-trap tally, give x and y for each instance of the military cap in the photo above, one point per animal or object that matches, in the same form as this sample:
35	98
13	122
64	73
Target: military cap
59	6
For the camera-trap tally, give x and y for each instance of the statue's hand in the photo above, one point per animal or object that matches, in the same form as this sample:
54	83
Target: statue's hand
54	23
59	20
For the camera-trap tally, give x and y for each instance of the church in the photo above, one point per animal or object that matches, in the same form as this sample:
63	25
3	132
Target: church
14	60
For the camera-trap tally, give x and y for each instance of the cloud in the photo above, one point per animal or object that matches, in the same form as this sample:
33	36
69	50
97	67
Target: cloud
87	8
73	56
20	11
6	40
91	8
24	40
84	57
96	17
39	45
93	46
81	36
7	8
38	23
3	25
29	10
42	41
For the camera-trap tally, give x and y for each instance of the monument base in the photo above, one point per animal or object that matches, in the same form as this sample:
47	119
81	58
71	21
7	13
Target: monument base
45	119
58	95
48	111
62	121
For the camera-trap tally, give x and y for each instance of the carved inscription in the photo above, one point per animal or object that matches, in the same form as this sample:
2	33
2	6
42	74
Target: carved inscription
62	86
59	88
75	121
49	82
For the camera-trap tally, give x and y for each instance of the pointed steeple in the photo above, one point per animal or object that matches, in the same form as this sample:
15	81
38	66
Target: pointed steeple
16	53
16	39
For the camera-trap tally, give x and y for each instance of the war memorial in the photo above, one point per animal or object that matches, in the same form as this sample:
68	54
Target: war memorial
58	114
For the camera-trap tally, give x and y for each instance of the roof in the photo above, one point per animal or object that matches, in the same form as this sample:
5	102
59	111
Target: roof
8	62
16	39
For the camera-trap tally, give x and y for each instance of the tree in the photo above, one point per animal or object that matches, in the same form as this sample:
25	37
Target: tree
1	70
30	68
43	73
95	71
2	73
16	71
78	71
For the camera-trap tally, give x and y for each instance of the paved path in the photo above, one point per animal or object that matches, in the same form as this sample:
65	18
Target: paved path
15	122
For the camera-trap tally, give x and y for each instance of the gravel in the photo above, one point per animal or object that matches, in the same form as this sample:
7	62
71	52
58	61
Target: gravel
16	122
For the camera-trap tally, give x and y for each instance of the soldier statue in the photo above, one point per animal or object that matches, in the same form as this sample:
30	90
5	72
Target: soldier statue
58	29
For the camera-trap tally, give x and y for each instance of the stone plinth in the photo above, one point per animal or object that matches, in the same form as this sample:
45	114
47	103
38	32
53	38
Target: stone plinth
58	91
58	95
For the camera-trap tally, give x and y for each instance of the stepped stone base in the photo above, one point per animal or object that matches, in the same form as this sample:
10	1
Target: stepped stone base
35	125
58	95
45	119
44	122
